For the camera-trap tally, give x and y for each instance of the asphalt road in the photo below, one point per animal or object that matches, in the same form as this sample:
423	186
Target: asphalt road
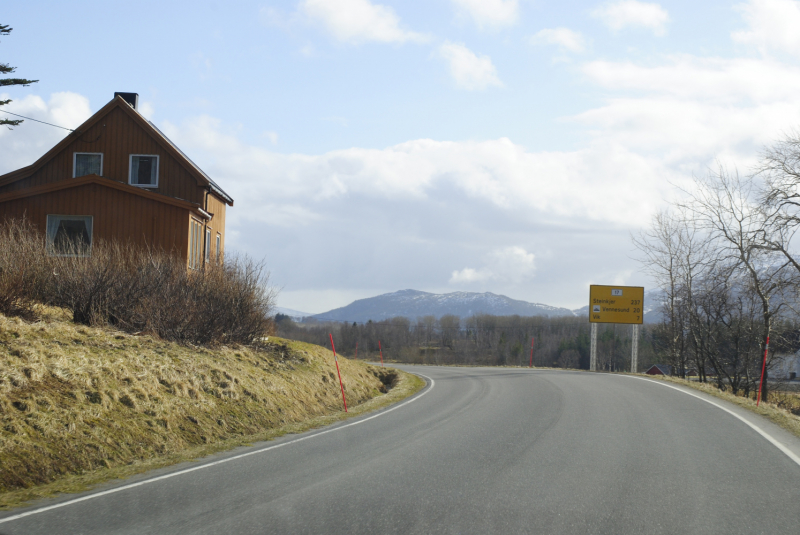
482	450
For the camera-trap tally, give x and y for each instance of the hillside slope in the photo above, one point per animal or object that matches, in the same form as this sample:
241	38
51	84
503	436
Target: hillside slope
414	304
75	399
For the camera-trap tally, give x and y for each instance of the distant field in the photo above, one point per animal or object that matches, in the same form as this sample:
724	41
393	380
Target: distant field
79	405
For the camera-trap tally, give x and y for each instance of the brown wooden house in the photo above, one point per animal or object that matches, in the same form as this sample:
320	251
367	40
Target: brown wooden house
118	177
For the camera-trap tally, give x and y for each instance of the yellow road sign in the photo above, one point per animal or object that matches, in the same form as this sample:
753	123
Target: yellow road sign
616	304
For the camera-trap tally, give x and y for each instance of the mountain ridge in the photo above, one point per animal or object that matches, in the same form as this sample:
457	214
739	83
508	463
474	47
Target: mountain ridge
414	304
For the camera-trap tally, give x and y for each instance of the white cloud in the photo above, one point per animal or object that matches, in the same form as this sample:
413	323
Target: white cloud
773	25
510	264
489	13
631	13
493	173
566	39
470	71
715	80
147	109
27	142
692	109
358	21
272	136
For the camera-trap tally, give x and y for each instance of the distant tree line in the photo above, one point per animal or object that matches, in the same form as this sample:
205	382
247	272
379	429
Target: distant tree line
477	340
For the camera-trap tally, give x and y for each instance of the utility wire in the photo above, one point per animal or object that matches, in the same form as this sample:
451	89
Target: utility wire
37	120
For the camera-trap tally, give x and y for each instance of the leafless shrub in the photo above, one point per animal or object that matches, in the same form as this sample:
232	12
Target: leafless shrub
137	290
228	303
22	272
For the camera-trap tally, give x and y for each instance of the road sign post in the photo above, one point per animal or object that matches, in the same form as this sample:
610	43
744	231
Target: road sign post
616	304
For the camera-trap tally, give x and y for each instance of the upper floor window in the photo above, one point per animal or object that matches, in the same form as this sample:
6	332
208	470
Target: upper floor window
87	163
144	170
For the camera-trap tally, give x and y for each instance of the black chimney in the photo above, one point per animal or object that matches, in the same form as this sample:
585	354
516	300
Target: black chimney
130	98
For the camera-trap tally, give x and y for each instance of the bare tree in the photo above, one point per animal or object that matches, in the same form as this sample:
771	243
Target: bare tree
726	207
674	253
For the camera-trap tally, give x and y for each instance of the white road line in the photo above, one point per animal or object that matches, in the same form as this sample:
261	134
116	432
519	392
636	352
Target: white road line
215	463
772	440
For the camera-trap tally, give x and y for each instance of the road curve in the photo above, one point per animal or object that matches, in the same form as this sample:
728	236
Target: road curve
486	450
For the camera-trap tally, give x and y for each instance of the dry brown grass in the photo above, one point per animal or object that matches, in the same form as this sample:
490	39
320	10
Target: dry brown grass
80	404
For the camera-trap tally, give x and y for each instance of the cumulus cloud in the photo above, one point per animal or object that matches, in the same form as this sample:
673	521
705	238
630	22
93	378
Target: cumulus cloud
772	25
509	264
358	21
566	39
690	110
633	14
470	71
493	173
491	14
720	80
27	142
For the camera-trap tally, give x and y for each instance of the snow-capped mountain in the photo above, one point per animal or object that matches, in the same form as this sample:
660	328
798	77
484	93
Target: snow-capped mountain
413	304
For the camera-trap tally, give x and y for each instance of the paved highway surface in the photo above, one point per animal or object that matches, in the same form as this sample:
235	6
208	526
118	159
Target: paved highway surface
480	450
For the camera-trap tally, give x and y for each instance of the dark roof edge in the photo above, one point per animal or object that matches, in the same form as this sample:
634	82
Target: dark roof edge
213	185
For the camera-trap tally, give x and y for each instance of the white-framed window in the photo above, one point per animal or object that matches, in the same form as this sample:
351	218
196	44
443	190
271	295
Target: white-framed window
69	235
219	247
208	245
195	243
87	163
143	170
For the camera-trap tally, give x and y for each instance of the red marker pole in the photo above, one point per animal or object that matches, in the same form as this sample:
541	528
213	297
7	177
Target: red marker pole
531	364
381	350
356	350
763	367
338	373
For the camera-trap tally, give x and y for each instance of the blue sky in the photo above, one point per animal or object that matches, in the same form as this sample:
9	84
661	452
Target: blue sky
372	145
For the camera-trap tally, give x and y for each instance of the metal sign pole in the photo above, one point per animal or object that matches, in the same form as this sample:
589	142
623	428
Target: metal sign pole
635	348
593	350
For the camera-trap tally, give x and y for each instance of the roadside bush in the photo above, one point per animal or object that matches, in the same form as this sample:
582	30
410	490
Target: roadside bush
228	303
137	290
22	273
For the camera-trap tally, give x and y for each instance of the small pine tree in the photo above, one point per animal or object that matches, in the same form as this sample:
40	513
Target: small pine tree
5	68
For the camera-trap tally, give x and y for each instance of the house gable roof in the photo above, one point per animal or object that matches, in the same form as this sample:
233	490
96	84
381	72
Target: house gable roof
663	368
118	102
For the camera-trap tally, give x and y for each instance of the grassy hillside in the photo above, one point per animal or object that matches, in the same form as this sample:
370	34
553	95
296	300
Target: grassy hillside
79	404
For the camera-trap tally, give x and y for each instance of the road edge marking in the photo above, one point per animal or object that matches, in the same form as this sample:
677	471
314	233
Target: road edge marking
215	463
772	440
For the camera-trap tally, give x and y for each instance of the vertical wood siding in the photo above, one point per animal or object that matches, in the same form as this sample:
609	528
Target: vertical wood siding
117	136
217	223
117	215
